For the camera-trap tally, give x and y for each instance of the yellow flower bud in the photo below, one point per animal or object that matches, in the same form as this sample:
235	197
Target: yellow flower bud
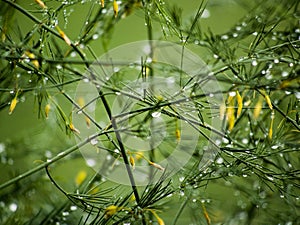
13	105
64	36
47	109
270	135
111	210
41	4
116	8
230	117
132	162
257	108
73	128
240	104
268	100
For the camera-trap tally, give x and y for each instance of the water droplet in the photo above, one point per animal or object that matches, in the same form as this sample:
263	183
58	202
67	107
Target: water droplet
90	162
194	200
94	141
205	14
65	213
245	140
225	140
238	28
73	54
232	93
156	114
284	74
276	61
235	35
13	207
254	62
224	37
48	154
216	56
281	196
220	160
73	208
58	66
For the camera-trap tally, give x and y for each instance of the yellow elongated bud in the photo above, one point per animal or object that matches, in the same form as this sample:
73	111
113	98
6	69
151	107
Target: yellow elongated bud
47	110
230	113
206	216
116	8
270	134
73	128
230	117
41	4
240	104
268	100
159	220
80	177
63	35
87	121
157	166
13	105
111	210
102	3
257	108
131	161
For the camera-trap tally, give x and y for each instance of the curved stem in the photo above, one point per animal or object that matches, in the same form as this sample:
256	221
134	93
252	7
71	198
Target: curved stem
49	161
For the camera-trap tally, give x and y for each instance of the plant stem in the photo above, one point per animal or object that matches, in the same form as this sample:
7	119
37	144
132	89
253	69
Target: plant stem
125	159
49	161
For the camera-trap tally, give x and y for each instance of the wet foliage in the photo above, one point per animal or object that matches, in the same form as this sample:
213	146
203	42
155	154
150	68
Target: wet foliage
242	133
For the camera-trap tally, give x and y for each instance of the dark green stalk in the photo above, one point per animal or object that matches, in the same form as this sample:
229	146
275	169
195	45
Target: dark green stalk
125	159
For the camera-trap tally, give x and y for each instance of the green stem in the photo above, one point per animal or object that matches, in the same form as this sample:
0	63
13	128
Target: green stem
49	161
125	159
182	206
